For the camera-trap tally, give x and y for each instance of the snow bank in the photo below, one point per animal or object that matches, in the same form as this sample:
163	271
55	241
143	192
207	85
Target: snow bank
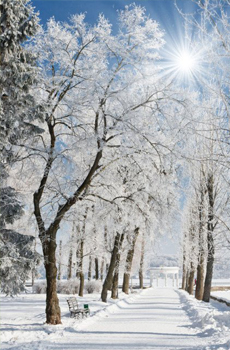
209	319
223	294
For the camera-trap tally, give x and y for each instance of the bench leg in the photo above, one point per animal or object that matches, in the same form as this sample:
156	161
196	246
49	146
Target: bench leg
81	314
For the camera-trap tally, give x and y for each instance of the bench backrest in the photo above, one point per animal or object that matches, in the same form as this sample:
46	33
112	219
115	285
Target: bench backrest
73	304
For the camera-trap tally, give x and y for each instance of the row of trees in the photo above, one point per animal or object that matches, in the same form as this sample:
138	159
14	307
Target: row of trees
206	214
206	224
94	136
106	240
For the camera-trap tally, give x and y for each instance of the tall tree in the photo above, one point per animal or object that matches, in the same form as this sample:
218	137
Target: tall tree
18	111
107	99
210	191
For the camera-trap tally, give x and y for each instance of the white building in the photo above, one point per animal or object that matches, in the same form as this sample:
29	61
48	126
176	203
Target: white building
167	271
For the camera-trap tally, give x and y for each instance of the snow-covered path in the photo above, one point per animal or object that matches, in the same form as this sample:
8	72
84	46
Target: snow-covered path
152	320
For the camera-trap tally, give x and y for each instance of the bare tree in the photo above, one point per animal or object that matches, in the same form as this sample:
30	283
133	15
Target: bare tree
95	120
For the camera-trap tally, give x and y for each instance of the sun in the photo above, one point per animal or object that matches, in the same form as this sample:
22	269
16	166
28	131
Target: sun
185	61
183	64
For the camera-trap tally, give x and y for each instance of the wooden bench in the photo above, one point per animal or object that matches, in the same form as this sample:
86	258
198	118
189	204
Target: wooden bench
74	309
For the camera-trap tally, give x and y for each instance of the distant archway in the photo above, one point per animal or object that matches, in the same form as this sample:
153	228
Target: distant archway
165	270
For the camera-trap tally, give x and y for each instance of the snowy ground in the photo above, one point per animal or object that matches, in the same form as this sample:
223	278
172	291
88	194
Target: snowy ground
224	295
221	282
156	318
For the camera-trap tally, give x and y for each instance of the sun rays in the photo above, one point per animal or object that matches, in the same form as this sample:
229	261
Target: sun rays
183	63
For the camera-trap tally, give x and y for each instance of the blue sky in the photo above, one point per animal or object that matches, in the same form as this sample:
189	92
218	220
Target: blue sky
164	11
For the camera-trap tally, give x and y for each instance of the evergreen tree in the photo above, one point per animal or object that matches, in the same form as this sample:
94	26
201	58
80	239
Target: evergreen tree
17	260
18	110
18	72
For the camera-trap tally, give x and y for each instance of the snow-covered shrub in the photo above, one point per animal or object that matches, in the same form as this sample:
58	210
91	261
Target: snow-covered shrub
63	287
93	286
39	288
68	286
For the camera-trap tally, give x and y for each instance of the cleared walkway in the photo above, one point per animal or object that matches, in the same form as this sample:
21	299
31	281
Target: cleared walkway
153	320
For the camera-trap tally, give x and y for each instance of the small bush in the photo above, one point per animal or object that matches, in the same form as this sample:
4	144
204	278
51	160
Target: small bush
93	286
68	286
63	287
39	288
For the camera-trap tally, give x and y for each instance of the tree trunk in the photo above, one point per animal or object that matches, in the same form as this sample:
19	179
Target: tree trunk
190	286
141	278
110	284
184	281
187	281
115	283
106	237
184	276
90	268
82	282
78	258
70	262
33	272
129	261
53	312
208	278
102	269
59	262
81	274
200	279
201	257
190	252
185	262
81	256
125	286
96	269
109	277
114	293
78	251
211	249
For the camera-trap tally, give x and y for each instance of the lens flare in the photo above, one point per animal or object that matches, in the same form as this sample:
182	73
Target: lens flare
185	62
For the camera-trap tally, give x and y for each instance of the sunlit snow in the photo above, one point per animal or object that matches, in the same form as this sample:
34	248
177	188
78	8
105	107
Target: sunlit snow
155	318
